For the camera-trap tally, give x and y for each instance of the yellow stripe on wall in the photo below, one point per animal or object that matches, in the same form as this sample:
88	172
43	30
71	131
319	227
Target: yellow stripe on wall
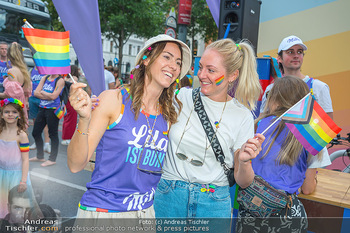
311	24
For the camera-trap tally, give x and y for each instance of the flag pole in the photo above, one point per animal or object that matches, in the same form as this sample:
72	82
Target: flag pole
28	24
72	78
284	113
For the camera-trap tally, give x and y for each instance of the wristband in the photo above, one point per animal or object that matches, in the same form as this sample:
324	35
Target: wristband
81	132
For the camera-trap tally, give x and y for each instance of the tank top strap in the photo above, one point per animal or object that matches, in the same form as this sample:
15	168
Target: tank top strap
125	94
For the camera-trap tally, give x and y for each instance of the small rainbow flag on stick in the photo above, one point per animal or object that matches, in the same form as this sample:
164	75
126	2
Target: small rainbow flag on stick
310	124
50	50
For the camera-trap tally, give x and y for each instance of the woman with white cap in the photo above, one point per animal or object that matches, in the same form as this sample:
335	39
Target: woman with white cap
129	133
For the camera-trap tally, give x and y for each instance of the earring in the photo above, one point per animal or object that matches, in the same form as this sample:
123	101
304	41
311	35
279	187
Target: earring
177	85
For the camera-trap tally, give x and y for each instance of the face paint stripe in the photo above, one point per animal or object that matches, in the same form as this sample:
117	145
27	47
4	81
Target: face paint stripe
219	80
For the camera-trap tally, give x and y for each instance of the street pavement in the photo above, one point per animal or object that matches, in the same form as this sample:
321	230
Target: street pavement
59	187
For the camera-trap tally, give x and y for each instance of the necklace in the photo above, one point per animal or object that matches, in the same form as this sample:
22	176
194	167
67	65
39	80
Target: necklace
192	161
150	131
217	123
150	135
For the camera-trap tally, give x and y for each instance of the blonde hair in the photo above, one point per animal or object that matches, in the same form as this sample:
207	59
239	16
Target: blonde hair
15	55
240	57
285	92
138	83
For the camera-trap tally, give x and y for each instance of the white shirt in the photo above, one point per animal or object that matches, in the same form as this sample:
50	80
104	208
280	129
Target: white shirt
109	78
321	94
235	128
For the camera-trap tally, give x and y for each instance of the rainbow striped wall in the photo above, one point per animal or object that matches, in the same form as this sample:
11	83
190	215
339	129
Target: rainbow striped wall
324	26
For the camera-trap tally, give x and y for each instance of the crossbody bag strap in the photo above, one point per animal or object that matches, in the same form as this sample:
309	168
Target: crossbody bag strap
208	128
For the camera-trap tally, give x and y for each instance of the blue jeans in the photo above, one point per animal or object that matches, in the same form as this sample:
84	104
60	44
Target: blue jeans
180	199
33	107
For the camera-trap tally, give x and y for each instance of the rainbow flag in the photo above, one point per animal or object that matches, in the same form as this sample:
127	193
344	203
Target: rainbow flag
310	124
50	50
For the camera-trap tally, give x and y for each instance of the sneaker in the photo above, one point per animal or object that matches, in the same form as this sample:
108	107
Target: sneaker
32	147
65	142
47	148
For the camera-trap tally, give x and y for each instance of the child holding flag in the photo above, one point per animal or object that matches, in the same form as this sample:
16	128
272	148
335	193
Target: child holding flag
14	150
283	162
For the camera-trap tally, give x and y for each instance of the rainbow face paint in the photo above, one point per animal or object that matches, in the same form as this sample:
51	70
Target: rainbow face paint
219	80
16	117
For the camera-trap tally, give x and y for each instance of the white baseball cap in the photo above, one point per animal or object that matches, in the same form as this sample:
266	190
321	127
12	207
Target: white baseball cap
186	52
289	42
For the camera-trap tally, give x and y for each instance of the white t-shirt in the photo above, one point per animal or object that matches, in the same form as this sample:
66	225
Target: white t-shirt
109	78
314	162
321	94
235	128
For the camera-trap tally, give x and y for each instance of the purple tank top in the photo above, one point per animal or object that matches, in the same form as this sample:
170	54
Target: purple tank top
3	70
285	177
117	185
35	77
49	86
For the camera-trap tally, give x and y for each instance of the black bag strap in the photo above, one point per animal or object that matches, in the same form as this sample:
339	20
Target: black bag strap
208	128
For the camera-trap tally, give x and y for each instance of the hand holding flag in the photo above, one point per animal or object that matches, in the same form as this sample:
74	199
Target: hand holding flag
310	124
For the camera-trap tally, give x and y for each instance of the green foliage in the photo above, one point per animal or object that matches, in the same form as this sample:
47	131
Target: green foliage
202	22
55	22
122	18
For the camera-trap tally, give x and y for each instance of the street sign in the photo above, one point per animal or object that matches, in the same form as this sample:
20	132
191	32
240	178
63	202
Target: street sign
116	61
170	32
171	22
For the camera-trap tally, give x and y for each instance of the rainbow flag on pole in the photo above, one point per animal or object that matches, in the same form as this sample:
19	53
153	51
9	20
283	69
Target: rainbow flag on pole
310	124
50	50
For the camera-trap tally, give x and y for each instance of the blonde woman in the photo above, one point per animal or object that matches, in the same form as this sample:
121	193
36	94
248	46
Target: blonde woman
283	163
194	183
18	84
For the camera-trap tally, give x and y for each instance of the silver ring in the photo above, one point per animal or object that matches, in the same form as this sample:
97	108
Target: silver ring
78	98
256	149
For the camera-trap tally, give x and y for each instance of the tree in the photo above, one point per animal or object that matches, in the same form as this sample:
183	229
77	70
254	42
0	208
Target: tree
55	21
202	23
122	18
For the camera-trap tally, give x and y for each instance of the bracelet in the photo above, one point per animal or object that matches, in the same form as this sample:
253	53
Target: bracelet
22	182
82	132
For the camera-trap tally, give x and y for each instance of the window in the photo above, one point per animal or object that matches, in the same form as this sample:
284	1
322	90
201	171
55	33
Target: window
130	49
111	49
138	49
127	67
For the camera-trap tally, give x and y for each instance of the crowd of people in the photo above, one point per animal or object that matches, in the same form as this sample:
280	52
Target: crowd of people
153	157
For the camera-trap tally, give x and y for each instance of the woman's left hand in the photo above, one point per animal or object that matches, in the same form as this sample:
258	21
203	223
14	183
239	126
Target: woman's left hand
251	148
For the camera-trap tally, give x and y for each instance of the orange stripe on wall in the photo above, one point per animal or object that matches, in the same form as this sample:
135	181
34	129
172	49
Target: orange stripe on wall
339	84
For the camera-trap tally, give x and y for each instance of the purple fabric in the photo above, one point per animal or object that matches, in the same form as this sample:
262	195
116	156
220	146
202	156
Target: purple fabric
3	71
116	183
49	87
35	77
214	7
82	19
285	177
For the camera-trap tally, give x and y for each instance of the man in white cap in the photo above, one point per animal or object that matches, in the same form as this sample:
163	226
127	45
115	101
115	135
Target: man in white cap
290	59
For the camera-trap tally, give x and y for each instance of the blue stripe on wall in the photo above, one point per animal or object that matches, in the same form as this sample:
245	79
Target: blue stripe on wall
346	221
272	9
